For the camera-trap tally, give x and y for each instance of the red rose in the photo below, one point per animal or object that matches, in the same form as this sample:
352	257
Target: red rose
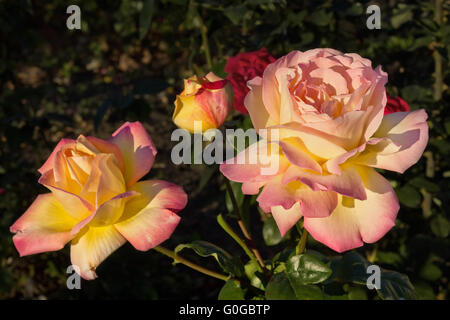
2	191
395	104
242	68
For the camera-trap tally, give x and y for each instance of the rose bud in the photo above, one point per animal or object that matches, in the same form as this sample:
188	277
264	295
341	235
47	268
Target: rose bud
207	99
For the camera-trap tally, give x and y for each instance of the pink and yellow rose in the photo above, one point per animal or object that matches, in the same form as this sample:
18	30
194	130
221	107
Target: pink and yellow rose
97	201
327	110
207	99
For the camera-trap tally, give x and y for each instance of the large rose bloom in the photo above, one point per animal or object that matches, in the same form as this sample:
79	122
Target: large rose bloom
327	109
96	201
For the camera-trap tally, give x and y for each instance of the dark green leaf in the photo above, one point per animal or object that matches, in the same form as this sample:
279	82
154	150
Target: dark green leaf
429	24
388	257
231	291
228	263
306	292
442	145
145	17
430	271
296	281
357	293
307	269
409	196
440	226
279	288
447	127
414	93
401	15
424	291
396	286
251	270
421	182
351	267
282	286
320	18
271	233
283	255
421	42
235	13
219	69
306	38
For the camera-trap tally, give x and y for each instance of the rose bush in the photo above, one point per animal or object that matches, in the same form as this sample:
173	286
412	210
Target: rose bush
324	114
97	201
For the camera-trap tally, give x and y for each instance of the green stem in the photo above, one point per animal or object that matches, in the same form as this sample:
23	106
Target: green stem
373	255
302	243
437	95
438	75
190	264
225	226
241	224
205	42
197	71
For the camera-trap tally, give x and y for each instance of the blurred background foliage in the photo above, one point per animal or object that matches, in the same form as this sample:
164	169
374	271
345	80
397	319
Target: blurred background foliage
127	63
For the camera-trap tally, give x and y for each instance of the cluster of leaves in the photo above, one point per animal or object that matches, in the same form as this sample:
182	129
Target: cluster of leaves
306	276
127	62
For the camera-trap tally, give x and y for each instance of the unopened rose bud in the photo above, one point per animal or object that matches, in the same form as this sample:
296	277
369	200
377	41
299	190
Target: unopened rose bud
208	99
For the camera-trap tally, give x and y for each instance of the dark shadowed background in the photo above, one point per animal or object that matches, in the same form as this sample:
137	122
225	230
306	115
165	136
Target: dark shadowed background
127	63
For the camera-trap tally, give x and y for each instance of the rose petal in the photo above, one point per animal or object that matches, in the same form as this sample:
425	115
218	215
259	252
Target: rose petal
346	131
49	162
108	147
110	181
275	194
354	222
311	203
407	137
150	227
258	163
45	226
295	151
76	206
348	183
137	149
93	245
333	165
270	94
254	104
110	211
286	218
155	194
149	218
252	187
315	141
